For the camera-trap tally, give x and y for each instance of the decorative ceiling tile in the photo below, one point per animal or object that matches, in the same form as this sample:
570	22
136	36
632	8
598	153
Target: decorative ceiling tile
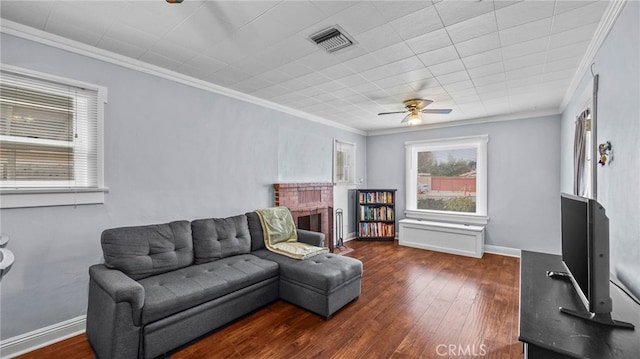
358	18
490	56
486	70
452	77
525	61
472	28
569	37
378	37
27	13
484	58
417	23
564	6
430	41
478	45
439	56
462	85
524	48
393	53
237	13
392	10
74	32
447	68
567	51
121	47
524	12
526	32
453	12
579	17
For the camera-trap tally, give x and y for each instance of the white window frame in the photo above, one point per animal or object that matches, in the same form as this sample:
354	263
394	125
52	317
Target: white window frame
412	148
351	166
20	195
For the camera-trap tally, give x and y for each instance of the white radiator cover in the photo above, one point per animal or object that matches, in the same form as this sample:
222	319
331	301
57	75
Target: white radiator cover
462	239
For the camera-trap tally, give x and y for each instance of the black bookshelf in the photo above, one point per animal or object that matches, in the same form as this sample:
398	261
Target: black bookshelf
375	214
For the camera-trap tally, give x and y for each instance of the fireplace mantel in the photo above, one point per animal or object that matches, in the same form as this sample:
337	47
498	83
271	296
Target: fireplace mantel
304	199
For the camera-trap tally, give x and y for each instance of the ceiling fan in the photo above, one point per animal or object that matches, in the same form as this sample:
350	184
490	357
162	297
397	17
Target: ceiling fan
414	107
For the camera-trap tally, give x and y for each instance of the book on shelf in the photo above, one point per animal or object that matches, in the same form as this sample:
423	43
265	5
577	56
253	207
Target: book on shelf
376	197
376	213
377	230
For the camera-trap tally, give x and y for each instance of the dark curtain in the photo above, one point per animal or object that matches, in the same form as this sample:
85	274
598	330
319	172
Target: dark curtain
594	138
579	153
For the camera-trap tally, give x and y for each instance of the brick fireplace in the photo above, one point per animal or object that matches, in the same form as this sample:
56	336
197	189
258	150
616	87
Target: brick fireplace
311	205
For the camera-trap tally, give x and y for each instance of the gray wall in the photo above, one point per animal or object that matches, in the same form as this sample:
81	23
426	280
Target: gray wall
171	152
523	177
618	189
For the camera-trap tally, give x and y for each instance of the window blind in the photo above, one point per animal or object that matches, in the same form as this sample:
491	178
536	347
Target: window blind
48	133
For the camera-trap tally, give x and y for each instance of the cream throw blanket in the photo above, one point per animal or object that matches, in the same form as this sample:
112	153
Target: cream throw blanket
280	234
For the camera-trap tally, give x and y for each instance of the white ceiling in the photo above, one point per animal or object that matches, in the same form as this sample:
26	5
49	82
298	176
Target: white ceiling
480	58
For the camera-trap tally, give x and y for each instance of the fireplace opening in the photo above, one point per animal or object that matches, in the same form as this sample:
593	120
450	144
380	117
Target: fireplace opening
312	222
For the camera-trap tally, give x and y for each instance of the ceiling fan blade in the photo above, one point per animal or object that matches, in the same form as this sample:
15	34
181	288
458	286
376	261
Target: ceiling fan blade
390	113
426	103
443	111
406	118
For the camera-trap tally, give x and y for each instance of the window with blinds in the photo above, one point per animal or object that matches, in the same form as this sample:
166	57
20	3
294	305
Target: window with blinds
50	140
48	133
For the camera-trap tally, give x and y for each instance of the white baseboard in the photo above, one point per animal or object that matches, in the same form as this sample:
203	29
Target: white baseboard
42	337
503	251
350	236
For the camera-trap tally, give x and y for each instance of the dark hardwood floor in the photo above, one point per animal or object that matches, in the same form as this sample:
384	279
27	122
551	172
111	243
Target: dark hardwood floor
414	304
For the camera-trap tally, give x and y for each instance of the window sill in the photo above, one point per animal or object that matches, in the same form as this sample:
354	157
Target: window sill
46	197
460	218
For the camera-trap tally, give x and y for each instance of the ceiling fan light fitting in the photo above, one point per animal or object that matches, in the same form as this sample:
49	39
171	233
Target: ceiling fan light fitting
414	108
415	119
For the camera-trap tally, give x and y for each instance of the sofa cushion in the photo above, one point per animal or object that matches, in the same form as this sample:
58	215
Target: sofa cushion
323	273
173	292
143	251
217	238
255	228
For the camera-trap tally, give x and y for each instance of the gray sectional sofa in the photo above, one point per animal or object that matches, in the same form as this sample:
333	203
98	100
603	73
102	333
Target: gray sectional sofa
162	286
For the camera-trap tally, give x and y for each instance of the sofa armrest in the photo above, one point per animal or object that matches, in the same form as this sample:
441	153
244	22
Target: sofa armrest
120	287
114	313
312	238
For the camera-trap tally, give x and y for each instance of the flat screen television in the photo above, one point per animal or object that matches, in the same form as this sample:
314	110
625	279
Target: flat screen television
585	255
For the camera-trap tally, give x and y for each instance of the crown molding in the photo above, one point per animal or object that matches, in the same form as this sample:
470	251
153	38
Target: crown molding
39	36
467	122
604	27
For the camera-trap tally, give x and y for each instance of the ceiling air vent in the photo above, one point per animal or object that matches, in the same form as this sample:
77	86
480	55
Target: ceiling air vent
332	39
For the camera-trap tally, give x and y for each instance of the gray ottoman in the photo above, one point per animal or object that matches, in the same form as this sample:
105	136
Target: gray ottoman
321	284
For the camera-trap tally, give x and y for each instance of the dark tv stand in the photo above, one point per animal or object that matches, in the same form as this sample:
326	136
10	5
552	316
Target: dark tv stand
599	318
547	333
559	275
